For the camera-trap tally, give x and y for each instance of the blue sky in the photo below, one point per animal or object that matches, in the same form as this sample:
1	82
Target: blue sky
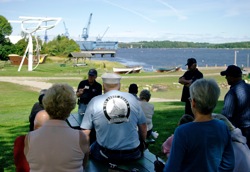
213	21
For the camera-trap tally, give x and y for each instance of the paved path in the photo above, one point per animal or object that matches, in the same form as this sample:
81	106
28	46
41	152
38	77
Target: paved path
38	83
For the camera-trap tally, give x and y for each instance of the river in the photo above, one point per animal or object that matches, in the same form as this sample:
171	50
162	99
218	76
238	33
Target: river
153	58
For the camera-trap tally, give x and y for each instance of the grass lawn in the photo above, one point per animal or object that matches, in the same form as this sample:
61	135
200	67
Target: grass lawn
16	100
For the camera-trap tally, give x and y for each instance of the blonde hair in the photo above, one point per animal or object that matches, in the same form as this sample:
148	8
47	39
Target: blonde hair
59	101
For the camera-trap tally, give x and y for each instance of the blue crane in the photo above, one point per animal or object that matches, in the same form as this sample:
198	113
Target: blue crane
66	30
85	31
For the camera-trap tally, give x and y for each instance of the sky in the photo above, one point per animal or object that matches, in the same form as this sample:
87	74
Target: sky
212	21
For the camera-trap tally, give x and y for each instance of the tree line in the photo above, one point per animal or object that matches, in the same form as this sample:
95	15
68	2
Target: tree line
179	44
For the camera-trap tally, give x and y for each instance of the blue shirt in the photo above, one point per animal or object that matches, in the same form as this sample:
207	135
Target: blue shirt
237	105
201	146
115	116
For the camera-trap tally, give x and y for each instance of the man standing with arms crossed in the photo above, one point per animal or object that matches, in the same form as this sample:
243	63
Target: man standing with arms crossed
87	89
190	76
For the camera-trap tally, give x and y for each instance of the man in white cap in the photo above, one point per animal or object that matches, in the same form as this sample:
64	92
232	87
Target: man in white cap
87	89
237	100
119	122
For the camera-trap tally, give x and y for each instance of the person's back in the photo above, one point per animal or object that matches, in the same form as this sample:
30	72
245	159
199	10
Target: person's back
108	126
239	143
61	153
148	109
241	151
201	153
119	123
55	146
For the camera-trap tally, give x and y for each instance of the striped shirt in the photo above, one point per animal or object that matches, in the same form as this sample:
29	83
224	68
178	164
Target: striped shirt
237	104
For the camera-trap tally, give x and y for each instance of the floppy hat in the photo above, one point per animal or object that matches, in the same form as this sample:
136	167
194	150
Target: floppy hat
232	70
191	61
92	72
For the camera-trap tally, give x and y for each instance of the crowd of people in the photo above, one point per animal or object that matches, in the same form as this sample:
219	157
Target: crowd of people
116	124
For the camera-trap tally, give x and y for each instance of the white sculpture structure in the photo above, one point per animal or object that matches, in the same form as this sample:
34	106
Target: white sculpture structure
31	25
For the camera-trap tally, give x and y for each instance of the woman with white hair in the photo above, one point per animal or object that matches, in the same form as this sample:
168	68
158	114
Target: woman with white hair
148	110
205	144
239	142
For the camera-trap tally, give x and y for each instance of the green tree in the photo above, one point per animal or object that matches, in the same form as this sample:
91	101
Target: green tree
5	46
60	46
5	29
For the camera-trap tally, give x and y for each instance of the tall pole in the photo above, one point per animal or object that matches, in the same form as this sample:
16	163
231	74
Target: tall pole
247	60
30	53
235	57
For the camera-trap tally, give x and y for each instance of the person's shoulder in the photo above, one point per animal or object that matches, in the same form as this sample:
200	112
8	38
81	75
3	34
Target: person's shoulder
97	83
219	123
19	140
36	104
185	128
83	81
186	125
150	105
198	71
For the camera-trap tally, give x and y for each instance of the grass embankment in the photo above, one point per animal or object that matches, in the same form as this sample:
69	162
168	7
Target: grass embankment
16	101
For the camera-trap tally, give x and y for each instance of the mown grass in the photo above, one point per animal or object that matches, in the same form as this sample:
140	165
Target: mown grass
16	101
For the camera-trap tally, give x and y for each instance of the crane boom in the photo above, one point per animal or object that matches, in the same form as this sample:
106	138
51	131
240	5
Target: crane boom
99	38
66	30
85	31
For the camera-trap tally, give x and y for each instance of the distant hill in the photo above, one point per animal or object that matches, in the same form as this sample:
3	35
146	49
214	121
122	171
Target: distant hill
176	44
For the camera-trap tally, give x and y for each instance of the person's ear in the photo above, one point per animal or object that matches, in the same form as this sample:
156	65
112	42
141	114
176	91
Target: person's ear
193	103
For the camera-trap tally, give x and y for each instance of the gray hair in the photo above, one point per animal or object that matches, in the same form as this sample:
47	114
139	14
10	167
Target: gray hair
59	101
145	95
205	93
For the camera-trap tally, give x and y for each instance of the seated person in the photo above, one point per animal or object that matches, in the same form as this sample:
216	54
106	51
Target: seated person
36	108
55	146
204	144
239	142
166	146
148	110
119	123
19	158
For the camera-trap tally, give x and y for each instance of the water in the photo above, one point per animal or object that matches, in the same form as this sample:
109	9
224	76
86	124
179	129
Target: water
154	58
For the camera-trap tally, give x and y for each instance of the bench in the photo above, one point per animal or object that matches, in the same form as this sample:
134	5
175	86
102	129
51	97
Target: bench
144	164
